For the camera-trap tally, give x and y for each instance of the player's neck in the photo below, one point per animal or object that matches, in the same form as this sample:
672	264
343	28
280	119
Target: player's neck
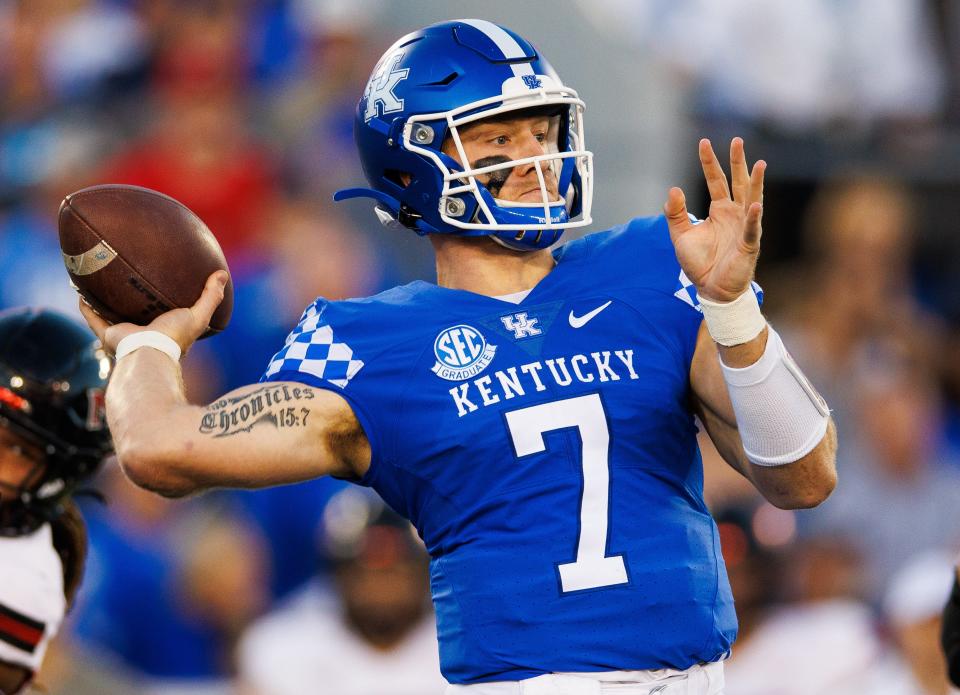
480	265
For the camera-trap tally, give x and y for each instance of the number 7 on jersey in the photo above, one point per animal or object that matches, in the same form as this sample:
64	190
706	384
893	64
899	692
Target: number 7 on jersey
592	568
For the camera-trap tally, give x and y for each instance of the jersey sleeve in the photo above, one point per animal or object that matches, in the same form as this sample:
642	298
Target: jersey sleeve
350	348
32	603
312	350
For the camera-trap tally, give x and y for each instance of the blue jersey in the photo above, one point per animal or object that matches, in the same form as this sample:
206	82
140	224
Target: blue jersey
547	454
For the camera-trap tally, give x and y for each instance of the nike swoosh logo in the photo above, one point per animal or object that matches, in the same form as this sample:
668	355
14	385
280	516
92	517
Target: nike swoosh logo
581	321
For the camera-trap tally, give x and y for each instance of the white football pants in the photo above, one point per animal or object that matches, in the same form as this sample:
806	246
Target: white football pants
705	679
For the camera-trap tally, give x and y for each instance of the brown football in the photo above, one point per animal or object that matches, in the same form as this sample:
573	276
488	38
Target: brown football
134	253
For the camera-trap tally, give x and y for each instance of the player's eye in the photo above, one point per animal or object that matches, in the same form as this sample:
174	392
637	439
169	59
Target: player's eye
501	140
541	137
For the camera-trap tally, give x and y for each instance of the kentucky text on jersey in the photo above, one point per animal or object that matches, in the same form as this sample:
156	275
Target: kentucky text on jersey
529	377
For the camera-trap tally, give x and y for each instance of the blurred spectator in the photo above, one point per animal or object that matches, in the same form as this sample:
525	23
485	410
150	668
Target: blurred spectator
290	518
91	49
912	606
170	587
55	52
855	305
376	629
199	152
312	113
198	147
823	63
898	494
201	45
819	639
33	265
814	87
33	272
59	63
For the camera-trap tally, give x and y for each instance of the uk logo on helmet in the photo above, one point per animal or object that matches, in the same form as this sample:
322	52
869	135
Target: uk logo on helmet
532	81
461	352
380	88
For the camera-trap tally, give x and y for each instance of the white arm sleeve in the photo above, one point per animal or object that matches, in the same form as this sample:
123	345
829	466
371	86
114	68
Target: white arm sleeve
780	416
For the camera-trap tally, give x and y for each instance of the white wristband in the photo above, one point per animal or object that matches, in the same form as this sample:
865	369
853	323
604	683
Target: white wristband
780	416
153	339
736	322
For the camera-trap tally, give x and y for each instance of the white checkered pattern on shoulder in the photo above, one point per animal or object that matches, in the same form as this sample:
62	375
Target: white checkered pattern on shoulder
311	349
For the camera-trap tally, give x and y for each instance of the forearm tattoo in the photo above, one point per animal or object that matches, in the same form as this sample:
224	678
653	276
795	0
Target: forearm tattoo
281	406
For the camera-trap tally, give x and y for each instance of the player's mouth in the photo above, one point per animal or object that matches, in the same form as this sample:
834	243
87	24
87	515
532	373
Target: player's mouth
535	195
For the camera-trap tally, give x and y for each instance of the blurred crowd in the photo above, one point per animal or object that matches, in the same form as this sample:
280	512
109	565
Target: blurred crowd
242	109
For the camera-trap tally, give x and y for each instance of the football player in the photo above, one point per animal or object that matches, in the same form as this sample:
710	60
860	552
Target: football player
53	436
533	413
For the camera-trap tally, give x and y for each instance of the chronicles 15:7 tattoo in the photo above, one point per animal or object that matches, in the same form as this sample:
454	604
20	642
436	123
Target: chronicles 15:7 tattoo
280	406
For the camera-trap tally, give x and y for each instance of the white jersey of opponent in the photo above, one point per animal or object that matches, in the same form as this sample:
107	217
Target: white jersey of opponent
305	647
32	604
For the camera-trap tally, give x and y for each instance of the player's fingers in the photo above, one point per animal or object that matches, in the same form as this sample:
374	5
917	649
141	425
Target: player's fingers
675	210
756	182
739	176
94	320
210	298
713	172
752	230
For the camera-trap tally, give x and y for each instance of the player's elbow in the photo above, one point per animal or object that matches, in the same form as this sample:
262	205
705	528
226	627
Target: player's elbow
808	485
805	483
811	493
148	466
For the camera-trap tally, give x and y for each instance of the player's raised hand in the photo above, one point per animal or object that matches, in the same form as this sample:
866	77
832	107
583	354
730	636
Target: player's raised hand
183	325
719	254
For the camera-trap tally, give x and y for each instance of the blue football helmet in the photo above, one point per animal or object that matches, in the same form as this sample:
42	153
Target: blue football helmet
431	83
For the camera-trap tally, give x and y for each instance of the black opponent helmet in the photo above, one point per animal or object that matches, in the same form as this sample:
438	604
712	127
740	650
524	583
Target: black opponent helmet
52	380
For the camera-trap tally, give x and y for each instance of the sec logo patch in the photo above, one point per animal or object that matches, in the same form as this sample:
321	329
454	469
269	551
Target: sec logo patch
461	352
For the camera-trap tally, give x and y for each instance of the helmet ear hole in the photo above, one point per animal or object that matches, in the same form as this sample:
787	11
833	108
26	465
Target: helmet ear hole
400	178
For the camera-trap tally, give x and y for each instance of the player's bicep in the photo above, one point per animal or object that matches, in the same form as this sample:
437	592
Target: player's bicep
257	436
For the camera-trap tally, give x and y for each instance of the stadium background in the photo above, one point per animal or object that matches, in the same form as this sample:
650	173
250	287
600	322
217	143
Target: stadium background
242	110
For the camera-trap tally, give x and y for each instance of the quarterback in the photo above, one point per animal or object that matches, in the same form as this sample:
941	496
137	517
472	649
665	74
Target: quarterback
533	413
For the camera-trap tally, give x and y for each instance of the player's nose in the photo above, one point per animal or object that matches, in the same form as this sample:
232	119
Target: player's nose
529	146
